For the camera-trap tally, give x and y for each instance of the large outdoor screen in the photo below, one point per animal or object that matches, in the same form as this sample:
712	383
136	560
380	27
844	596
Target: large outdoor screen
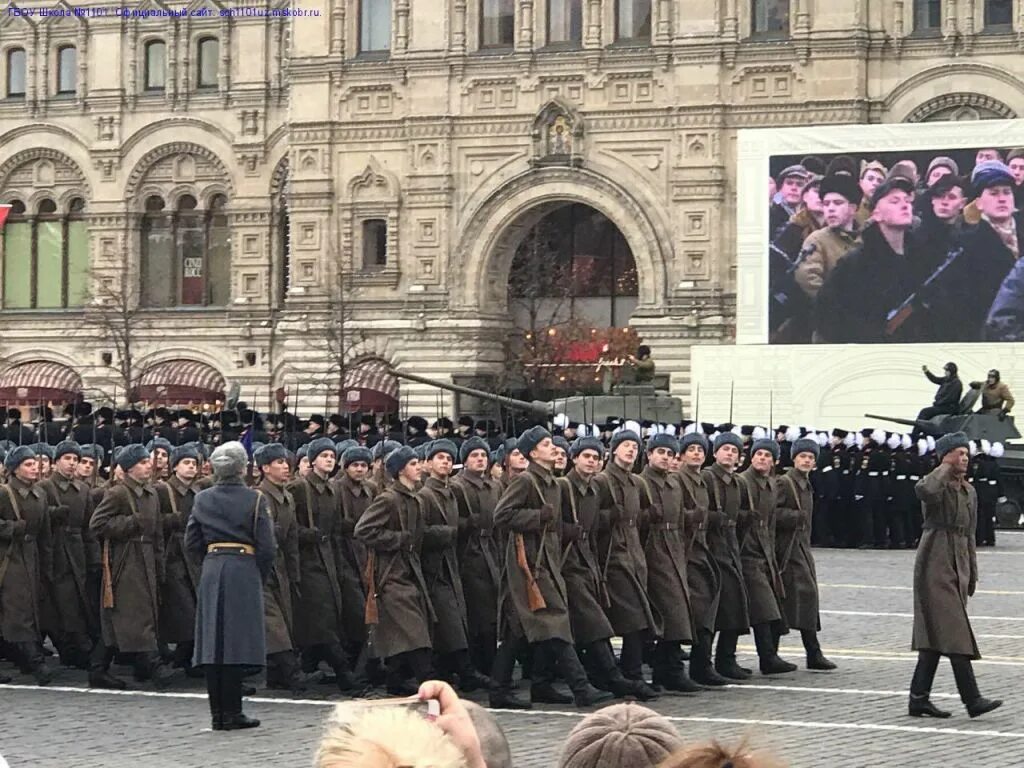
881	234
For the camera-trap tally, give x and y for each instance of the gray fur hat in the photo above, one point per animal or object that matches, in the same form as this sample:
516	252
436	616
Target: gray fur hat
694	438
470	445
530	439
355	454
766	444
805	445
728	438
65	447
43	449
383	448
93	451
581	444
623	436
442	446
662	440
228	460
159	442
186	451
396	461
318	446
17	456
270	453
131	455
950	442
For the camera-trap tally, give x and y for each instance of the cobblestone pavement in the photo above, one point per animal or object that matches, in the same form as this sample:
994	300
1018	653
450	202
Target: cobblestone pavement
852	717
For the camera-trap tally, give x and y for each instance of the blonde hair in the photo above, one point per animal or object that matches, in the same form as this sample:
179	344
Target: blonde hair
384	737
714	754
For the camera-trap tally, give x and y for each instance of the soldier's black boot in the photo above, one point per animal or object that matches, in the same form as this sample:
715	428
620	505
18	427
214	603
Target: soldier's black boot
725	657
701	670
976	704
502	694
815	658
542	684
568	664
150	666
232	718
669	670
469	679
397	684
768	657
338	661
920	704
32	659
215	696
606	675
99	669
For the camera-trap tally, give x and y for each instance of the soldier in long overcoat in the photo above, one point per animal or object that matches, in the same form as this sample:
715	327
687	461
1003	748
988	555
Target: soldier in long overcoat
793	551
441	567
318	612
945	576
25	560
664	536
624	502
702	574
181	579
127	525
529	512
230	530
355	494
70	508
756	532
724	495
398	610
283	669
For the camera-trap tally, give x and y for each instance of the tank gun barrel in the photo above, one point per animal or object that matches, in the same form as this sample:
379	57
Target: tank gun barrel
907	422
536	407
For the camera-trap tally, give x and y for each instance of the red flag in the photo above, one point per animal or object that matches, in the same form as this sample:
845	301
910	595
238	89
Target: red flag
5	208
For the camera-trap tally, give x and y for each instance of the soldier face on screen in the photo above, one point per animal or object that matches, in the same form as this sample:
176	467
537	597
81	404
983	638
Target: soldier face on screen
804	462
67	464
277	471
86	466
727	456
142	471
27	471
838	211
477	460
588	463
986	154
357	470
812	201
762	461
661	458
870	180
625	454
1017	169
561	458
997	203
937	173
895	210
791	188
693	456
948	206
440	465
186	470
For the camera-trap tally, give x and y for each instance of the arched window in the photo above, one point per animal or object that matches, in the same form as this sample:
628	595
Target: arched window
374	26
156	65
999	13
770	18
207	62
633	21
46	256
497	23
67	69
565	22
927	15
186	253
15	88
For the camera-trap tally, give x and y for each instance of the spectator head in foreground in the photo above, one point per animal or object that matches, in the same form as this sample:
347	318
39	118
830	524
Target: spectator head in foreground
620	736
716	755
495	747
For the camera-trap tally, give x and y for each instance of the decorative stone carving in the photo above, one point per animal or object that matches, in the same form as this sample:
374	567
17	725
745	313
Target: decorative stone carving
558	135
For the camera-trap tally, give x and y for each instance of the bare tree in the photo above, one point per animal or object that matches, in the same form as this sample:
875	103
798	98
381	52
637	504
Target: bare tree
112	315
340	338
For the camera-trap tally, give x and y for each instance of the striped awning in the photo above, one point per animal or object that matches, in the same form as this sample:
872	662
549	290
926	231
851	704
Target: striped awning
40	380
180	381
370	386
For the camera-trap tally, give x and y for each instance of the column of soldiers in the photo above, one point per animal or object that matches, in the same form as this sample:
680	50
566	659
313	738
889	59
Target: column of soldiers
392	567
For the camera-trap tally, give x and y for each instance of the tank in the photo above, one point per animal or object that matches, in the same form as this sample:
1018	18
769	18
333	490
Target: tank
976	426
638	402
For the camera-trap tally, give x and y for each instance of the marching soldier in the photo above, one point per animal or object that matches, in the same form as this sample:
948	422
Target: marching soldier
160	449
25	560
665	552
793	550
733	618
127	525
181	579
756	531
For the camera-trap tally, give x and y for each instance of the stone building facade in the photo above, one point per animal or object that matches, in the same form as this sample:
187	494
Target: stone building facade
362	173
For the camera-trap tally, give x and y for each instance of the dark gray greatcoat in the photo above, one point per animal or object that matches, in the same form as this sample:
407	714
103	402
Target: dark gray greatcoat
756	532
350	555
946	568
702	574
25	560
481	554
519	512
624	500
392	530
278	612
441	566
584	582
181	571
229	612
318	613
724	497
127	524
664	532
793	550
73	546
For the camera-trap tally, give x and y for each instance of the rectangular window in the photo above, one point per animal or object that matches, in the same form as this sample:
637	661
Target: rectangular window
156	73
190	245
218	260
67	66
49	264
158	280
497	23
209	62
998	13
18	265
771	17
927	15
16	73
374	26
565	21
633	21
375	244
78	263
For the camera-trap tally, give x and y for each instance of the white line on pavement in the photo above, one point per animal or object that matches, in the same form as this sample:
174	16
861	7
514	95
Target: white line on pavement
1001	637
910	615
883	656
891	588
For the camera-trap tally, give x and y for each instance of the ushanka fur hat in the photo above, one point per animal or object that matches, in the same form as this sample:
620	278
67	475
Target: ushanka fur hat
951	442
766	444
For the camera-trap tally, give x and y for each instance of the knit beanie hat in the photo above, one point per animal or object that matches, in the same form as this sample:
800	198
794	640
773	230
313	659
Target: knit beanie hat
618	736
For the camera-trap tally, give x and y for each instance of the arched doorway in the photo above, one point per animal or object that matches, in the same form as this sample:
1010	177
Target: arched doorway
572	287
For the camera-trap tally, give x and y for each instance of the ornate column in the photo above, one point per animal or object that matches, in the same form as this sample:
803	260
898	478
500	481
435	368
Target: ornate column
592	33
459	27
402	26
524	40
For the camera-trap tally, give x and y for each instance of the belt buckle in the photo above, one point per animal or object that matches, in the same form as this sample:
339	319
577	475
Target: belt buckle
324	539
30	537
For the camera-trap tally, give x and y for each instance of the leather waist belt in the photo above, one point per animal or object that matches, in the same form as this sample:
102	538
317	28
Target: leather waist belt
234	548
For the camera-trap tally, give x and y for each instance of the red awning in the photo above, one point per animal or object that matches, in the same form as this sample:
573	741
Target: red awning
40	381
371	387
180	381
